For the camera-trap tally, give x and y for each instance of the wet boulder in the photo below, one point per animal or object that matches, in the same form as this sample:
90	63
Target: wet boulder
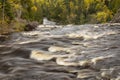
31	26
3	38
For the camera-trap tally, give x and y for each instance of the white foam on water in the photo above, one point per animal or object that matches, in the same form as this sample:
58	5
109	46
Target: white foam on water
25	42
90	35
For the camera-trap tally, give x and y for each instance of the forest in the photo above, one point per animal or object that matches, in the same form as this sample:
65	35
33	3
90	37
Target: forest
15	13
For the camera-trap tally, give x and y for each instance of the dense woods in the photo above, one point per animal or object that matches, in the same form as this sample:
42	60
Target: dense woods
61	11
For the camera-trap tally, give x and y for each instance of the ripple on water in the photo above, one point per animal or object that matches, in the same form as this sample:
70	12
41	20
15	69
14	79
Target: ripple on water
86	52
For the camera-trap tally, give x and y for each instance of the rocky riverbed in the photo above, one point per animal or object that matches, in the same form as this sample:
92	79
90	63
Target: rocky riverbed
71	52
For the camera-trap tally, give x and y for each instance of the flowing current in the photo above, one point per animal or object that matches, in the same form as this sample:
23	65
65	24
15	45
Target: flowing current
71	52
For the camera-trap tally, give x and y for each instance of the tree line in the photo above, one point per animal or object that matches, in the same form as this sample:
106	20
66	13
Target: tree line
61	11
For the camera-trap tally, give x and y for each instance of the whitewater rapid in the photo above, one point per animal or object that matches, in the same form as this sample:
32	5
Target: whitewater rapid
62	52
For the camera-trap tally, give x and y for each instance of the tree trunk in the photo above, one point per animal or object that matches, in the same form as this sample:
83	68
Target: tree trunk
3	10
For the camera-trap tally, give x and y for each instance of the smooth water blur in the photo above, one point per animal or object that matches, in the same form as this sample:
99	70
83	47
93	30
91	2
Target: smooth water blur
62	50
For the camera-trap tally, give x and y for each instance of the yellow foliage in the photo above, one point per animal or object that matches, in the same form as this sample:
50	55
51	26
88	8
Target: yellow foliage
103	16
17	6
32	1
87	3
72	11
34	8
71	5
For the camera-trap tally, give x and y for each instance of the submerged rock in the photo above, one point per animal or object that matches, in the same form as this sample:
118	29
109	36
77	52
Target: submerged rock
38	55
3	38
56	49
66	62
87	73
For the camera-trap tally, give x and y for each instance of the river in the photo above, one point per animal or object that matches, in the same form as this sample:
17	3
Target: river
71	52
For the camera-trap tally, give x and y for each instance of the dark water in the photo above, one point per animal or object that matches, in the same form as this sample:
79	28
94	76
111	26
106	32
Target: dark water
79	52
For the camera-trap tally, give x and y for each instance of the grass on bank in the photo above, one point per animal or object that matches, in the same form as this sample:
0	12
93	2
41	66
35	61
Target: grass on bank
14	26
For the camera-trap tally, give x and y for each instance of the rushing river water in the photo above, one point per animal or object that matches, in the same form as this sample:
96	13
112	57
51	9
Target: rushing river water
73	52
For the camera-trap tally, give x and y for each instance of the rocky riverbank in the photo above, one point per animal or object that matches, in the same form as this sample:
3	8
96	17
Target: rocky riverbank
116	18
73	52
